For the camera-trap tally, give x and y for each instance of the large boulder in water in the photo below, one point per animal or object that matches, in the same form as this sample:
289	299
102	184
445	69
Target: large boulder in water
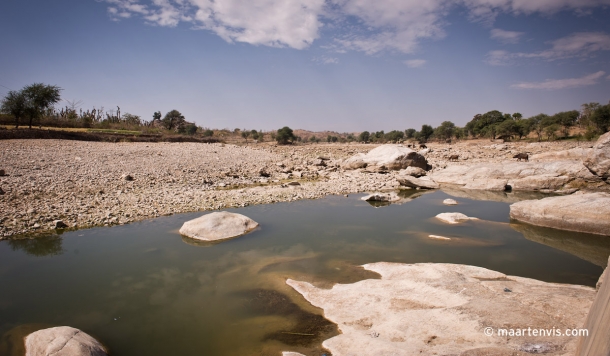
393	157
218	226
62	341
577	212
598	160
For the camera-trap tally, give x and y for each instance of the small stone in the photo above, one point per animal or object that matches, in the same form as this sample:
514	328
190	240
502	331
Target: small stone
2	173
127	177
294	183
58	224
507	290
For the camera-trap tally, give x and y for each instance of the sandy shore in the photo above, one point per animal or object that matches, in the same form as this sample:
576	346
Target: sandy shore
88	184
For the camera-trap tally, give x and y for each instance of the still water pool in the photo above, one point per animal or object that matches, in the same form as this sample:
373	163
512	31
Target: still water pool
142	289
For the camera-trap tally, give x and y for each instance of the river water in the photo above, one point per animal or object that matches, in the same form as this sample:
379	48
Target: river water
142	289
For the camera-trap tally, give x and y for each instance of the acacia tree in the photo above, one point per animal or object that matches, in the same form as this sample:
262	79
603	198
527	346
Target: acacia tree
39	98
426	132
173	120
14	103
285	135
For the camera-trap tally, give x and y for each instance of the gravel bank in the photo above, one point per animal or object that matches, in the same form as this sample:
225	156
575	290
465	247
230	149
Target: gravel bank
88	184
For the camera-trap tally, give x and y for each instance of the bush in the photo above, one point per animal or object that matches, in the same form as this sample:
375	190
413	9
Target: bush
285	135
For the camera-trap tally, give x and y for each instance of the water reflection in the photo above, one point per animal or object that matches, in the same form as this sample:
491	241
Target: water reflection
39	247
592	248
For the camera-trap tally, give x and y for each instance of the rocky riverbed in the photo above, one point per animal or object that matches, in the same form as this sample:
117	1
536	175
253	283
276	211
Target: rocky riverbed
86	184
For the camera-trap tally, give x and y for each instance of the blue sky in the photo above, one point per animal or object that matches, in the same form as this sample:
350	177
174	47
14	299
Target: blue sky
343	65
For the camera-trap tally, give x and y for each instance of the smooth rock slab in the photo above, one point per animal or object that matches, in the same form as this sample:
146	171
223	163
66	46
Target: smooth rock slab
422	183
62	341
443	309
454	218
218	226
588	212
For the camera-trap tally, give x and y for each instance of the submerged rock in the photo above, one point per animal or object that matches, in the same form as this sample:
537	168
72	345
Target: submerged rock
598	160
454	218
442	309
218	226
393	157
588	212
450	202
382	197
62	341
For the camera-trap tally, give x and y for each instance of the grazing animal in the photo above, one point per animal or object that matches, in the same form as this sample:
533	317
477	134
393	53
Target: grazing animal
520	156
454	157
421	145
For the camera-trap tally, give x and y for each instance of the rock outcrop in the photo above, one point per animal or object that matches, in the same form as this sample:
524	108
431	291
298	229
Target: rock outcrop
62	341
598	322
598	160
447	309
413	182
382	197
218	226
588	212
527	176
576	153
392	157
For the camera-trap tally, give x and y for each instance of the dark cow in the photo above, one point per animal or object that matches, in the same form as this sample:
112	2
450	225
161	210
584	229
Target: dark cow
520	156
454	157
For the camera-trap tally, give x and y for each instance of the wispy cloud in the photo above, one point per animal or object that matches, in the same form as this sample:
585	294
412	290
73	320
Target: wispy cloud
581	44
503	36
415	63
380	25
554	84
326	60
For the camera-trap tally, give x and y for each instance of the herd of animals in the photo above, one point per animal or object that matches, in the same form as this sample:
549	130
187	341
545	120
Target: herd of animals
518	156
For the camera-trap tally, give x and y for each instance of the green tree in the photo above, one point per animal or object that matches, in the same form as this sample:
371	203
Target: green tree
39	98
445	130
364	136
208	133
157	116
601	118
409	133
426	132
15	104
566	119
245	134
550	131
285	135
517	116
538	123
173	120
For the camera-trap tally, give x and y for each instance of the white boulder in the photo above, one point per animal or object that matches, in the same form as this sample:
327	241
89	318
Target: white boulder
218	226
62	341
450	202
454	218
392	157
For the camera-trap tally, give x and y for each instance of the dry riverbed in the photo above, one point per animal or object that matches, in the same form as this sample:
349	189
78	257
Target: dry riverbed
88	184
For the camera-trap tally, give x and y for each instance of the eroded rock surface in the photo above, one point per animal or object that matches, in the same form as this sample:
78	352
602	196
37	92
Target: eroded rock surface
543	176
589	212
598	160
218	226
62	341
413	182
443	309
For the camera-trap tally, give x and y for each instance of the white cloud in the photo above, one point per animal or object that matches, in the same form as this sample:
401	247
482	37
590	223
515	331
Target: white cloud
371	26
415	63
552	84
581	44
326	60
506	36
